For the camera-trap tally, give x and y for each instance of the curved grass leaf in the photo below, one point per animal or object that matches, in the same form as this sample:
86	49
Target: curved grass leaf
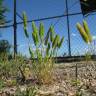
41	31
26	33
55	42
48	49
87	30
82	33
52	34
61	42
25	24
25	19
31	53
34	28
47	37
35	39
35	34
58	39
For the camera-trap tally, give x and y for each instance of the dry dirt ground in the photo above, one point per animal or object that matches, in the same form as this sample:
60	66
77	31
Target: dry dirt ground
70	79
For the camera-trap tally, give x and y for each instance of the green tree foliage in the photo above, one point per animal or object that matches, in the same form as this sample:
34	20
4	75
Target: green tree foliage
84	32
4	46
3	10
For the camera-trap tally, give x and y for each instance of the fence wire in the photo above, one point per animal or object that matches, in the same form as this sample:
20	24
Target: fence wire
39	9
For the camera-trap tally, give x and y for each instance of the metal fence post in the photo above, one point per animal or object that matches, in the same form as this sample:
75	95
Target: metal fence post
69	42
15	30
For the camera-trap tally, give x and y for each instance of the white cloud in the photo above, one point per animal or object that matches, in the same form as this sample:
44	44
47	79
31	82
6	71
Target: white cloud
25	45
94	37
73	34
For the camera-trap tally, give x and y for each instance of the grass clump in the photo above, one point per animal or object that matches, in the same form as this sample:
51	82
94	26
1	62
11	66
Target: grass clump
46	46
30	91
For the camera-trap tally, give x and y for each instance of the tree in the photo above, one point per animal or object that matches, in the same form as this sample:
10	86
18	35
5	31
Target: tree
3	10
4	46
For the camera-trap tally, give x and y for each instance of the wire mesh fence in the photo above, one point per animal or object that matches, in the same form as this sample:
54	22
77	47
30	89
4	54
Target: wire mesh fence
42	9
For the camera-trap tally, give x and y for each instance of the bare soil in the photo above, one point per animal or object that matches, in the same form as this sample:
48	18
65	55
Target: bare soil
70	79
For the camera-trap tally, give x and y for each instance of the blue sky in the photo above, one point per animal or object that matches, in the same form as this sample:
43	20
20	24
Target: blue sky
44	8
